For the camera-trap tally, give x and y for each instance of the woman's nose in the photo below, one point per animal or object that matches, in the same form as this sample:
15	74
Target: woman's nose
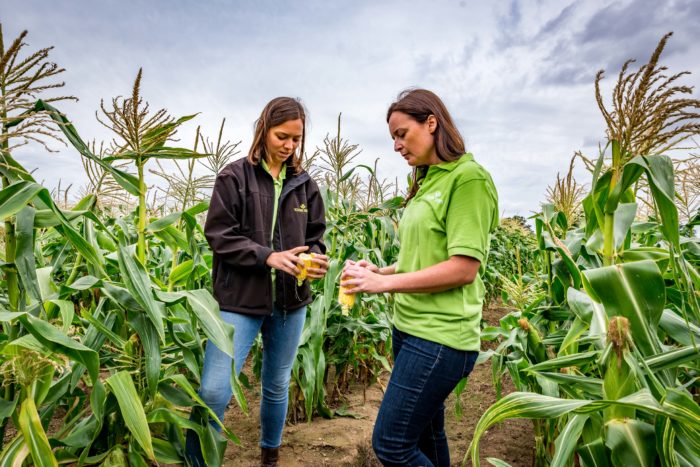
397	145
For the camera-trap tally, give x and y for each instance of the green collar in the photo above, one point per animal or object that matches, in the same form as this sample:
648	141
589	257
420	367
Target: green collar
450	166
283	170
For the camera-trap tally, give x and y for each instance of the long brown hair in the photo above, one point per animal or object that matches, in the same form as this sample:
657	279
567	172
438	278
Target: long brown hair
276	112
421	104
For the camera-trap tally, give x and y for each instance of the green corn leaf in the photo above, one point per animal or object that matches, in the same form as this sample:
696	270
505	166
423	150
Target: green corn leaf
16	196
56	341
163	222
594	453
15	452
624	216
566	361
206	309
181	381
181	272
131	409
665	439
566	442
632	442
536	406
681	405
592	386
590	312
67	310
635	291
237	389
166	451
7	408
139	285
35	436
677	328
24	255
126	180
149	339
673	358
520	405
497	462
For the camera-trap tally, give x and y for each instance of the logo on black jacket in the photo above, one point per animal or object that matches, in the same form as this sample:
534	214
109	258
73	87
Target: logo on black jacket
301	208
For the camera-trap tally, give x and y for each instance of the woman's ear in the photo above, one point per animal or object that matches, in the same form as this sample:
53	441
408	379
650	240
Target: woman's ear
432	124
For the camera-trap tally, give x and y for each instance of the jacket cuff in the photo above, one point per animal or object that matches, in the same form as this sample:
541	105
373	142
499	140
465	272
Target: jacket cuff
262	254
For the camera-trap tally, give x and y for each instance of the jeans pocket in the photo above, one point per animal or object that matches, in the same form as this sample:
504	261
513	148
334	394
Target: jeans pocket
469	362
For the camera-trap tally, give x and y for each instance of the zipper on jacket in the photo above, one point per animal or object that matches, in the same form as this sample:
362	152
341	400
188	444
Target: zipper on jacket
284	287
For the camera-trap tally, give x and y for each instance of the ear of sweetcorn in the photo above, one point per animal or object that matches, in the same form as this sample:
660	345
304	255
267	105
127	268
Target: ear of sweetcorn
346	300
303	271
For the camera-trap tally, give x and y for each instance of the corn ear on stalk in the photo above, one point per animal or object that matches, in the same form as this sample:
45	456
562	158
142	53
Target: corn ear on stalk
346	300
535	347
619	378
303	271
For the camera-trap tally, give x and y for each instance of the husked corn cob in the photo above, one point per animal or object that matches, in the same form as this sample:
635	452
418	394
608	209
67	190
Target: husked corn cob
303	271
346	300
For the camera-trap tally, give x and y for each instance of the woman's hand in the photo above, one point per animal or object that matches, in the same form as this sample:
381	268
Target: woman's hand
360	278
287	260
363	263
321	268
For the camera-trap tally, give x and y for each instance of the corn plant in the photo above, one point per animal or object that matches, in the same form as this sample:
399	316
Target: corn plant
106	343
606	368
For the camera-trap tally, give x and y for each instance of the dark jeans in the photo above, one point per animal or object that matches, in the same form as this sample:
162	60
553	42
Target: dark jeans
410	426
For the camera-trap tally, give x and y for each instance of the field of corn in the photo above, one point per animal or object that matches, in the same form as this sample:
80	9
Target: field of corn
106	304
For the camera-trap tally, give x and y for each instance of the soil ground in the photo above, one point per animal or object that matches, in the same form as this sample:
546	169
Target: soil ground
344	441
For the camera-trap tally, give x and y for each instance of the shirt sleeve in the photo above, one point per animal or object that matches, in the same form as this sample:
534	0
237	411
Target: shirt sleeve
469	219
222	228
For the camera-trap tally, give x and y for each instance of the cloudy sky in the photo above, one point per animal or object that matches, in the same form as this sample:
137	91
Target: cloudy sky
516	75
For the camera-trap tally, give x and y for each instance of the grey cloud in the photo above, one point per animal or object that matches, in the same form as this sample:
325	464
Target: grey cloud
557	23
616	22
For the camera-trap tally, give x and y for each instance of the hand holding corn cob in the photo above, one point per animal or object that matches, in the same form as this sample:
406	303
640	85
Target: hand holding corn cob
304	269
314	267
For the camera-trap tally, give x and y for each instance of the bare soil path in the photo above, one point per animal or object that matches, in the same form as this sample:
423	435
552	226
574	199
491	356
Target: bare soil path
344	441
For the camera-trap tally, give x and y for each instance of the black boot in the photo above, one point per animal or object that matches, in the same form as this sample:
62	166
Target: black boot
269	457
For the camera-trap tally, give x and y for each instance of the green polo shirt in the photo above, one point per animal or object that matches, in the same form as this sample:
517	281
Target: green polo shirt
279	182
453	213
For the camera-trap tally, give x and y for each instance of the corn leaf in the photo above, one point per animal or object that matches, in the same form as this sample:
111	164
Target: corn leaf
131	409
56	341
14	452
149	339
24	255
139	285
126	180
35	436
632	442
635	291
566	442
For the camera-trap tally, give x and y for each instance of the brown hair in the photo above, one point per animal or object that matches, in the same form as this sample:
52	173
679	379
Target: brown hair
276	112
420	104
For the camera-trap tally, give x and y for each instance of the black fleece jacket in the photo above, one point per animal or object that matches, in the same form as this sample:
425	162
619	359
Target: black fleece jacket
238	229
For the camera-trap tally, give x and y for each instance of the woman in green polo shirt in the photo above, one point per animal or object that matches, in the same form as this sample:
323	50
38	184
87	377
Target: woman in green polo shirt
450	211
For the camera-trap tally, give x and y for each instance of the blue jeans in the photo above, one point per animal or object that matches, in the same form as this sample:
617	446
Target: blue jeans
281	333
410	426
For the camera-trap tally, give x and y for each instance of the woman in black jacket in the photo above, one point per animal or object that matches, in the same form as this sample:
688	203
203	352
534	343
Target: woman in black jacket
265	210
